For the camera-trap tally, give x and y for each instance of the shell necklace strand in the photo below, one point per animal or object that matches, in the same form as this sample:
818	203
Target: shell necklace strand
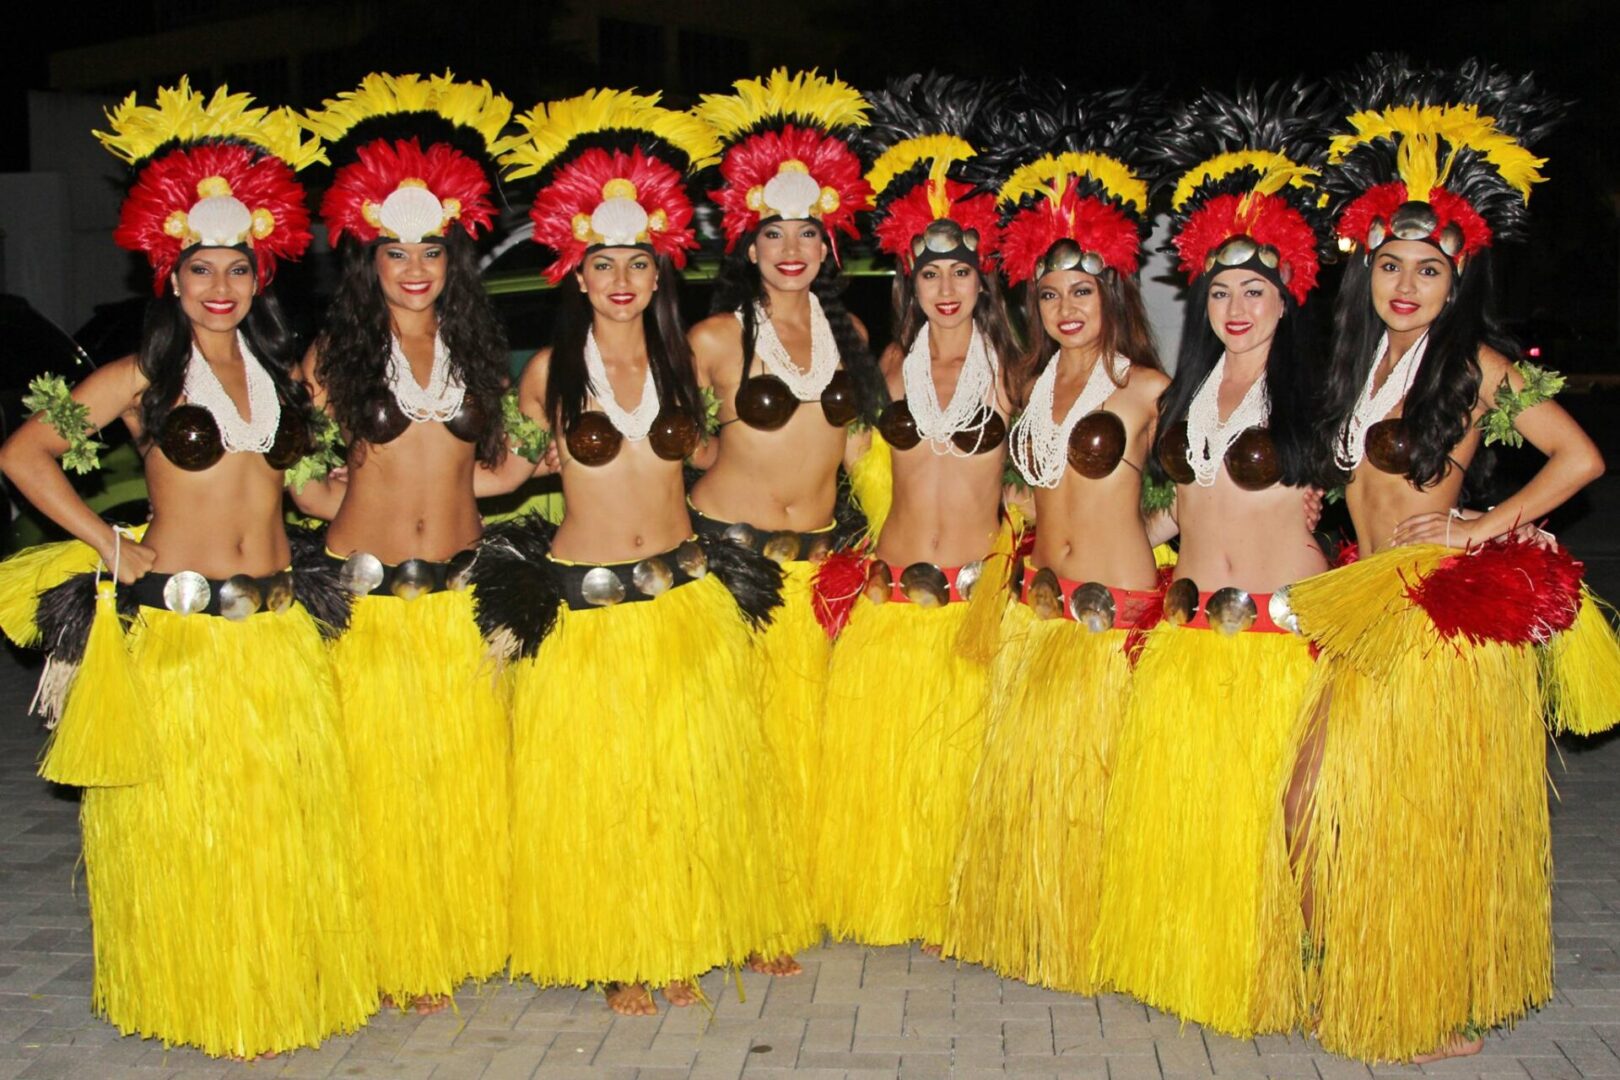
1040	444
975	389
1372	407
440	399
806	385
631	423
202	387
1208	436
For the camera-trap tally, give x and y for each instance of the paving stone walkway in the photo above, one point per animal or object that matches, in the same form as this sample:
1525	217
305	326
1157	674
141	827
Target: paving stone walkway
854	1012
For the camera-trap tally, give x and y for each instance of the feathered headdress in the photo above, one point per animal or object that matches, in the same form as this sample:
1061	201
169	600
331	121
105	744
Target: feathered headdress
921	207
1241	171
1069	194
1434	155
414	156
610	166
785	154
210	172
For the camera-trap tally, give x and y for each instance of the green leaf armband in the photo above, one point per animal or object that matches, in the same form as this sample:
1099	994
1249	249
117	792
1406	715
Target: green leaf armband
1540	384
711	411
324	454
526	437
1157	495
50	398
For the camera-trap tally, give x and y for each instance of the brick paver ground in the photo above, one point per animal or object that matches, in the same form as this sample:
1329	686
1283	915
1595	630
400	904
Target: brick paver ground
853	1013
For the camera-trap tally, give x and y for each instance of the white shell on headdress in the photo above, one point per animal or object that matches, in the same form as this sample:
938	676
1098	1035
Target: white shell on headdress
620	222
410	213
220	221
790	195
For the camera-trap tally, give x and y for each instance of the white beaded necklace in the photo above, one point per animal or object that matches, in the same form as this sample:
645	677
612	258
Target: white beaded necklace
632	423
440	399
975	389
202	387
806	385
1372	407
1208	436
1040	444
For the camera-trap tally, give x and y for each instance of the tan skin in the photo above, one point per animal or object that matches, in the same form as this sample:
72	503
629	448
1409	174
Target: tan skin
619	284
788	478
1257	541
1092	530
1411	285
223	520
946	507
414	497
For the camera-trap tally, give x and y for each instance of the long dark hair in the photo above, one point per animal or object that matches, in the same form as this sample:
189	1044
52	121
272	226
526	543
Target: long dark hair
354	347
1125	331
1439	408
668	353
165	353
1300	434
989	315
738	286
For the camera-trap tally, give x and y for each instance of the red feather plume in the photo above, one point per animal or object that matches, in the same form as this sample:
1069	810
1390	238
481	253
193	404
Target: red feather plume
838	584
906	217
1269	220
1092	223
754	160
577	189
1381	202
377	171
1506	590
169	184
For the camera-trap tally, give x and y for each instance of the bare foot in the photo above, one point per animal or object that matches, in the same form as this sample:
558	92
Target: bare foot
428	1004
930	949
681	994
782	967
1455	1046
631	999
256	1057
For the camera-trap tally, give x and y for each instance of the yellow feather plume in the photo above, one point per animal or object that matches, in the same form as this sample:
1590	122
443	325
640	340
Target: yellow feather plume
1276	171
551	128
1460	126
473	105
942	151
1046	176
806	97
183	115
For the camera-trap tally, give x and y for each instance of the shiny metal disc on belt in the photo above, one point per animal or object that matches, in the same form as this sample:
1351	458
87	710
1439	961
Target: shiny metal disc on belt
741	533
280	595
692	559
879	582
781	547
967	577
186	593
652	577
239	597
412	578
1045	595
925	585
1231	611
601	587
819	547
361	573
1282	611
458	571
1092	605
1181	602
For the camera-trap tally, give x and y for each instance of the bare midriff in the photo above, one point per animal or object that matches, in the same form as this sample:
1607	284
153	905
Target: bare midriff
782	479
411	498
1091	530
945	510
1378	501
223	520
1252	540
632	507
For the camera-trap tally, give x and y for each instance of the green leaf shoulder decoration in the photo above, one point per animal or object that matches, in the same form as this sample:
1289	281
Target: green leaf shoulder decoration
1157	495
324	454
1540	384
50	398
711	412
527	438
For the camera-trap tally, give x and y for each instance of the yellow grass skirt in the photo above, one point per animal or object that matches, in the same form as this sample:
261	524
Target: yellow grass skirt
1028	880
1432	858
643	796
1200	915
224	895
903	737
428	743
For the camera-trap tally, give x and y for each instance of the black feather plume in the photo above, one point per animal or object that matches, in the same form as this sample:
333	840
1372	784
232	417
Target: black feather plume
517	592
64	616
316	582
754	581
911	107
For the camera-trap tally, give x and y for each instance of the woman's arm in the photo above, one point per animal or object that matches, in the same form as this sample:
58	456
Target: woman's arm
29	461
